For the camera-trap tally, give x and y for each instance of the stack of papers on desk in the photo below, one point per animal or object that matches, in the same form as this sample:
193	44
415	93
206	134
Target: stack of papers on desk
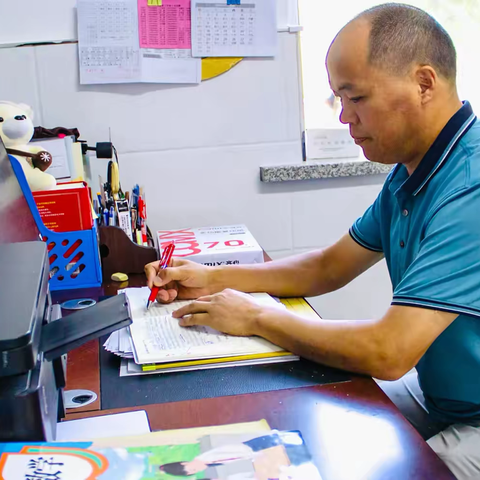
120	343
155	343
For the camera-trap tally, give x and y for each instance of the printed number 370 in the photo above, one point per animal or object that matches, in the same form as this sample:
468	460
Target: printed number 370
228	243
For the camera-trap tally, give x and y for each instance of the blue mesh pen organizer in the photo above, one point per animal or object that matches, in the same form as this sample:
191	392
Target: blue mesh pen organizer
74	256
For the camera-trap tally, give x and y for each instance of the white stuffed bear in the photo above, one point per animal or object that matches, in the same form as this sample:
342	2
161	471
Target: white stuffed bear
16	130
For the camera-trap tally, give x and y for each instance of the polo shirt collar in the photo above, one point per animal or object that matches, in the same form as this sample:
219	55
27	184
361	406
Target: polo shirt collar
436	155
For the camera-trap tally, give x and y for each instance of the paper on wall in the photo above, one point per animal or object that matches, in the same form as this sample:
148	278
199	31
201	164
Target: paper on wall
234	29
167	26
108	41
109	48
170	65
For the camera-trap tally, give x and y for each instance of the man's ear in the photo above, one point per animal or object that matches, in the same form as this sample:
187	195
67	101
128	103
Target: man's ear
426	78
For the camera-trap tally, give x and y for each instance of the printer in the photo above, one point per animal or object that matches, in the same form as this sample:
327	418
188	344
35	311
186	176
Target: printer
34	340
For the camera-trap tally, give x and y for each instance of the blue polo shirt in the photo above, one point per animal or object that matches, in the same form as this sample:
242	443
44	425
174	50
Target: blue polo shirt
428	227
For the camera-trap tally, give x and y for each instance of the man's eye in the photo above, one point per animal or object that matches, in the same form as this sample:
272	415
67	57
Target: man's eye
356	99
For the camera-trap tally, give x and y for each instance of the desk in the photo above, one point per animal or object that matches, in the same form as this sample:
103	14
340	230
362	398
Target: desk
352	429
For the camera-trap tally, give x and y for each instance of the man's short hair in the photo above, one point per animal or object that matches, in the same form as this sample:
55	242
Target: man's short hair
402	35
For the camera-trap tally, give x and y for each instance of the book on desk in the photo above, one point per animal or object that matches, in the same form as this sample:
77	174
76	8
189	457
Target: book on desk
241	451
155	343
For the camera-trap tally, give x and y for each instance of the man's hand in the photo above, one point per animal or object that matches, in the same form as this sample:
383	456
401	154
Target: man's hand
182	279
229	311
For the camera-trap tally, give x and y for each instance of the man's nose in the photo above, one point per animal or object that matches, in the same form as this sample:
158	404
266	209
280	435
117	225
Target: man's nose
347	116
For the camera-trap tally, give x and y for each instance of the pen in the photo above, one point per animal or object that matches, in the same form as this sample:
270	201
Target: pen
165	260
105	216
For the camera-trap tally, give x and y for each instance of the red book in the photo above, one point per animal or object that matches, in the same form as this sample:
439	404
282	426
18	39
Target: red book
66	208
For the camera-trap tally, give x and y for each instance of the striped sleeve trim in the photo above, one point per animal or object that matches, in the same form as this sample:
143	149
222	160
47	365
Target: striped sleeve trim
436	305
362	242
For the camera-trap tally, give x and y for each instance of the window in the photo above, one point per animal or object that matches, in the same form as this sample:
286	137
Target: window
322	21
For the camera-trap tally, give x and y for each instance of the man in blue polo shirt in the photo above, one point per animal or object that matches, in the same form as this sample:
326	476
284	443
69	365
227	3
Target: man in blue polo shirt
394	70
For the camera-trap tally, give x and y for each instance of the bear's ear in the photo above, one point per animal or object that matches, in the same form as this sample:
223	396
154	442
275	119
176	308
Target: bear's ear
28	110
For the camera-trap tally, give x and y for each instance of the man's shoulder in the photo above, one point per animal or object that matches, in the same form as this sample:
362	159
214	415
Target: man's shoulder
461	172
467	155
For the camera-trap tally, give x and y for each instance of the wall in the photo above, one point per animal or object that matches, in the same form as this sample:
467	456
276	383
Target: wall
55	20
197	150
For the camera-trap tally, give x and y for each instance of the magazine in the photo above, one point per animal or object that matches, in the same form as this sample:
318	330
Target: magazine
260	455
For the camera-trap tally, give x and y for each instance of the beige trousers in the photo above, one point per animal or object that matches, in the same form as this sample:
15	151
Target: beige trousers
458	445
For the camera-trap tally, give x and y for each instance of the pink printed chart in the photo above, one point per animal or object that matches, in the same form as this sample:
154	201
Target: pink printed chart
167	26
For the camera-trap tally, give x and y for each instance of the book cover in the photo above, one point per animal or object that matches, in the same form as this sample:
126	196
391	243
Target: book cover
260	455
213	246
66	208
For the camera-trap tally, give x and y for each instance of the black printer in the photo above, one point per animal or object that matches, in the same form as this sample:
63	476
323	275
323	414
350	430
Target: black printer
34	341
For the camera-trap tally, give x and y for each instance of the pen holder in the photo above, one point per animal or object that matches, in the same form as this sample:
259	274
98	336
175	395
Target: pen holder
120	254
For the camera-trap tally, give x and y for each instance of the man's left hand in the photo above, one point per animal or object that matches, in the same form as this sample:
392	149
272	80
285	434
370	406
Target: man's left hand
229	311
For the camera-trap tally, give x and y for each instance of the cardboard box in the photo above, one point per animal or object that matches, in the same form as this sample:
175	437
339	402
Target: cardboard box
227	245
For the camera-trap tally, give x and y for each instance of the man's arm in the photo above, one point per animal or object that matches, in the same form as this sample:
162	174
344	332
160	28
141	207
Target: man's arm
385	348
309	274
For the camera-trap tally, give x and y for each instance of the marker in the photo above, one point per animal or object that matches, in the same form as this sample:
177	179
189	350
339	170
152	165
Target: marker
105	216
111	217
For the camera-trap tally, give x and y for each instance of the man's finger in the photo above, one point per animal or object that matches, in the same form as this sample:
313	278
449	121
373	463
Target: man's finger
172	294
151	272
195	319
205	298
191	308
167	275
163	296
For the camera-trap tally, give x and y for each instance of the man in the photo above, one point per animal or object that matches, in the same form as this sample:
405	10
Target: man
394	69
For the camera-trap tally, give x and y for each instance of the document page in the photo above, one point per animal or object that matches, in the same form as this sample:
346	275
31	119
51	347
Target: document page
108	43
110	52
157	337
166	26
234	29
170	65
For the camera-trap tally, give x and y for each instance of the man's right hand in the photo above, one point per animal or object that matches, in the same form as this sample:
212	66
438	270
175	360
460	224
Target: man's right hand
183	279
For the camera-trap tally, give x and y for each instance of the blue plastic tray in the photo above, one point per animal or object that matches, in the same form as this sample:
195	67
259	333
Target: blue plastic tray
74	256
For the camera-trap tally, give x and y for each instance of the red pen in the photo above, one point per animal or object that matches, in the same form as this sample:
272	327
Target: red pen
164	261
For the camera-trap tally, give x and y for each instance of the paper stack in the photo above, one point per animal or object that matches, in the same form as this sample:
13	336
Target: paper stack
155	342
120	343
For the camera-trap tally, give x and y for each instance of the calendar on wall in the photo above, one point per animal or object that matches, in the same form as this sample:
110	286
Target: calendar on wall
234	29
107	35
109	44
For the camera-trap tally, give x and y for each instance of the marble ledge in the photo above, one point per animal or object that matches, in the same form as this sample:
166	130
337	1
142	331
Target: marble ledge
313	170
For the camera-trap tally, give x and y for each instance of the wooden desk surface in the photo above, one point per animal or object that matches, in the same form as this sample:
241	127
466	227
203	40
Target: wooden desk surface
352	429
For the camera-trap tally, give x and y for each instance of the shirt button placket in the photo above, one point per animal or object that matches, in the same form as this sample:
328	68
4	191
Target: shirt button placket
404	228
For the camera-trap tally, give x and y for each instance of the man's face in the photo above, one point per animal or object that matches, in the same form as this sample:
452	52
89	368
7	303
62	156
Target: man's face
382	110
